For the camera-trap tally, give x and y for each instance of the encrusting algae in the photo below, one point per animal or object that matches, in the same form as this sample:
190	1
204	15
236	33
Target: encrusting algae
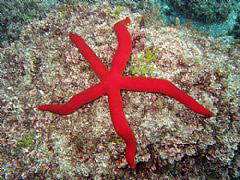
172	141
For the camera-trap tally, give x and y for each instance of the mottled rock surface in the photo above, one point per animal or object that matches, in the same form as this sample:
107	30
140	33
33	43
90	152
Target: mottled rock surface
205	11
172	141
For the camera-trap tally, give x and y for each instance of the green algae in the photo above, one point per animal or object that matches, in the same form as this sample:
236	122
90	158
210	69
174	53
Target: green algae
145	62
27	139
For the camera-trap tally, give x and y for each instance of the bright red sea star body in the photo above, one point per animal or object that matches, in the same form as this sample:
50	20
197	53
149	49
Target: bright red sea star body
112	82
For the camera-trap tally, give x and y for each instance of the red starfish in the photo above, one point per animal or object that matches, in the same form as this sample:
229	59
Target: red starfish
111	83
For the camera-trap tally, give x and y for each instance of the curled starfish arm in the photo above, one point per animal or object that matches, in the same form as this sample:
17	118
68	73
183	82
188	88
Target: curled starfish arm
165	87
98	67
76	101
124	48
120	124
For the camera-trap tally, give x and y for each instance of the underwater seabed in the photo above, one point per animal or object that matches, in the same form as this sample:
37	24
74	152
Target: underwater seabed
43	66
215	28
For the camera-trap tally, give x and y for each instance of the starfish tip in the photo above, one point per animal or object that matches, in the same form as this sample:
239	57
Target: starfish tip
209	113
71	35
127	20
133	166
41	108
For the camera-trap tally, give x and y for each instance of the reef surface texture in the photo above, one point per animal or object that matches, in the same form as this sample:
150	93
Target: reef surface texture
172	141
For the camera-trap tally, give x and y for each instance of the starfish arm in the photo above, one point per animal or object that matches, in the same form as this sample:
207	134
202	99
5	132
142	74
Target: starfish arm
120	124
124	48
165	87
76	101
96	64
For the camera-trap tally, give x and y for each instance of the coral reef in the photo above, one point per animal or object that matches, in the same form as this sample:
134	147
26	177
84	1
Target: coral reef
14	14
205	11
172	142
215	17
236	29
